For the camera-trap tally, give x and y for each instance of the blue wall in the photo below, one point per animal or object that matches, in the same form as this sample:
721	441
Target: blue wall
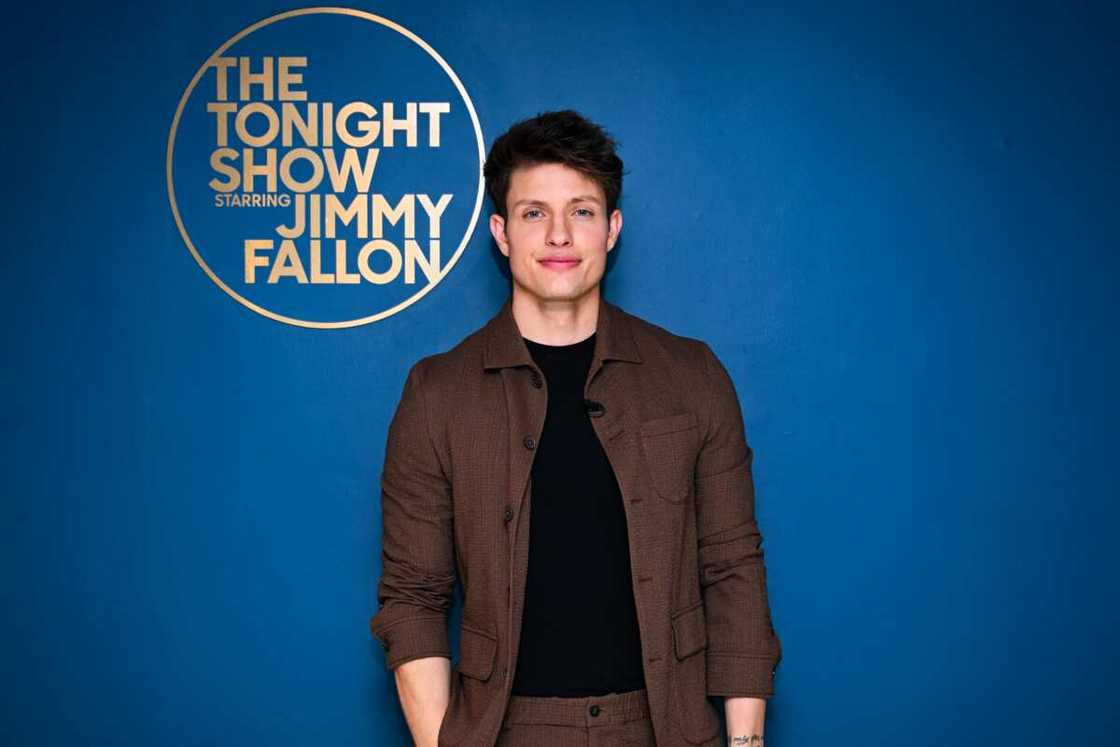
896	225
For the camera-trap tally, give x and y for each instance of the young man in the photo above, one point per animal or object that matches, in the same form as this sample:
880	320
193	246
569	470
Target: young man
585	474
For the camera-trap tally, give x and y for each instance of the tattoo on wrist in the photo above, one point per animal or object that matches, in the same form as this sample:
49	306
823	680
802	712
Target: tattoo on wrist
752	740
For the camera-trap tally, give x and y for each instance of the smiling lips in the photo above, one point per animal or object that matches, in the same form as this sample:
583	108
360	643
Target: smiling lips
560	263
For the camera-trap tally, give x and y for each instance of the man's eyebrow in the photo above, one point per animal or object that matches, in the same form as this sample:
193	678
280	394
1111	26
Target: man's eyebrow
579	198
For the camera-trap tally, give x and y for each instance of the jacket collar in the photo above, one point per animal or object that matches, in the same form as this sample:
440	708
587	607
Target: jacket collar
505	346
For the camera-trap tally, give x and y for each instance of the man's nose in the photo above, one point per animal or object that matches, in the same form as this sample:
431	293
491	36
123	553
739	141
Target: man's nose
558	234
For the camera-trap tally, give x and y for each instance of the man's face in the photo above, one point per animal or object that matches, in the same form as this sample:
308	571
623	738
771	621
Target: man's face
558	232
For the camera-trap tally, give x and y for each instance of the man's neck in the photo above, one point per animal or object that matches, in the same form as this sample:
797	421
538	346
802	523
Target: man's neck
556	322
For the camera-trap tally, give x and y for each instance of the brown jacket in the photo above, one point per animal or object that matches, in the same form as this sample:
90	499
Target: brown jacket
455	498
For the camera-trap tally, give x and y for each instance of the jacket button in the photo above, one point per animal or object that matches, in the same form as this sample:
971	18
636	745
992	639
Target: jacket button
594	710
530	442
508	514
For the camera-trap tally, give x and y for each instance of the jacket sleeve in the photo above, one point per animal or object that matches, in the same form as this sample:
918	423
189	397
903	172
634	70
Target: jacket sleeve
417	542
743	648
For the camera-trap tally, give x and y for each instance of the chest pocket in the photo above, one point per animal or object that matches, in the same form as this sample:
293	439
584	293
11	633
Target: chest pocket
669	449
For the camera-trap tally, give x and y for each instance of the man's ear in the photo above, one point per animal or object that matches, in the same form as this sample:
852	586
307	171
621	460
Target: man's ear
614	228
498	231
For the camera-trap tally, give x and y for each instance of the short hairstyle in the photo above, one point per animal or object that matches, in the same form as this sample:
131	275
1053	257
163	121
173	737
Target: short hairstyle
564	137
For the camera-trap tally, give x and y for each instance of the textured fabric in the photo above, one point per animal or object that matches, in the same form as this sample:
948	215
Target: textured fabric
579	627
611	720
455	495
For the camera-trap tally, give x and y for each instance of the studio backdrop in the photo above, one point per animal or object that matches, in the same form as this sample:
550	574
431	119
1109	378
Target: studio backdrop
231	228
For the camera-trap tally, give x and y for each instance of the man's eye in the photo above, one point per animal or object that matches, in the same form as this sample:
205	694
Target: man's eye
532	213
585	212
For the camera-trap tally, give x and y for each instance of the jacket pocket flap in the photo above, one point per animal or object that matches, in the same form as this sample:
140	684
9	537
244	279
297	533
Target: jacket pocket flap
477	650
669	424
690	632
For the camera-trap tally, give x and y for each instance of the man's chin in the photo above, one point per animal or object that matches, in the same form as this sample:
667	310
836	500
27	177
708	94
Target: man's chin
554	294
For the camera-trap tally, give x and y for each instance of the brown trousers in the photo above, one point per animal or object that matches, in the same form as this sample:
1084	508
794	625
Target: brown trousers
615	719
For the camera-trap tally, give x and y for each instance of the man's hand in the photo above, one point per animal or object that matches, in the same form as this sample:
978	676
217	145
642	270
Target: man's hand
424	686
746	718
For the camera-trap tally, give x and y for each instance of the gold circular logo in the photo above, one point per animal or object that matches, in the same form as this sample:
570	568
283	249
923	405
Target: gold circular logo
324	184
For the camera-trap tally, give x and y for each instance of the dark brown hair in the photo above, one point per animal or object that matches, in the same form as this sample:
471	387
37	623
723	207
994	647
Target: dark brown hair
564	137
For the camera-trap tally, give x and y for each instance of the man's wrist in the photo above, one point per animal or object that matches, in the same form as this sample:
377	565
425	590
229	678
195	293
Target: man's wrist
746	718
746	739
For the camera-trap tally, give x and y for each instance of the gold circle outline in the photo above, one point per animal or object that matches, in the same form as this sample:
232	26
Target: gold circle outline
171	152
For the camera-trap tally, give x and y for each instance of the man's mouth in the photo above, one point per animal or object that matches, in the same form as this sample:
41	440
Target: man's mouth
559	263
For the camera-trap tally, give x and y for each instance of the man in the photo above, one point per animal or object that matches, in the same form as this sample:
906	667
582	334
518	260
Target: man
585	474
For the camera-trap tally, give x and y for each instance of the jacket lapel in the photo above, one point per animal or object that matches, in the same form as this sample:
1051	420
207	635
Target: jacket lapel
505	351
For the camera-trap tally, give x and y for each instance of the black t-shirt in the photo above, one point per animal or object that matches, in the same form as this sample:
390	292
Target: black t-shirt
579	632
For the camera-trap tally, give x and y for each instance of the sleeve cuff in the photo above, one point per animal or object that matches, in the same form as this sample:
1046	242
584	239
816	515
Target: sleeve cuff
737	675
413	638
